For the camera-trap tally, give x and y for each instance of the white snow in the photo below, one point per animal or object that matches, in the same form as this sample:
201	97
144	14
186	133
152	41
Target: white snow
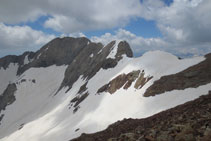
48	118
31	98
131	104
38	56
47	48
26	60
91	55
7	76
113	50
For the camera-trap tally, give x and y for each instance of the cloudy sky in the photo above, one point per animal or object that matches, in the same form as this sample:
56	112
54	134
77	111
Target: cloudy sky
182	27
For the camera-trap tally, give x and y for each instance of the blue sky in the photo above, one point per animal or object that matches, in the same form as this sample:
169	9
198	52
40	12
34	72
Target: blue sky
181	27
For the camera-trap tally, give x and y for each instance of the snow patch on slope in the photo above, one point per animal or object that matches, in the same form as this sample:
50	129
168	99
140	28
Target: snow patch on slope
113	50
91	55
7	76
32	97
26	60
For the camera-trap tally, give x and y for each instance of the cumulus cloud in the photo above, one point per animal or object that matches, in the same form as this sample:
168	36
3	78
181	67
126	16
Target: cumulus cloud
71	15
185	21
92	14
13	12
182	21
137	43
184	24
21	37
140	45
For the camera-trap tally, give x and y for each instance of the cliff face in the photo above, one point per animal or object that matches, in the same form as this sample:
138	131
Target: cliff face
94	57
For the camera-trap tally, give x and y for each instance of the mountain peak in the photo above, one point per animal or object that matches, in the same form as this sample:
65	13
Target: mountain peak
59	51
124	48
72	84
78	54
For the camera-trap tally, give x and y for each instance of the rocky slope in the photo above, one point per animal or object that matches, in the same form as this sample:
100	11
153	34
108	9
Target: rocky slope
125	81
188	122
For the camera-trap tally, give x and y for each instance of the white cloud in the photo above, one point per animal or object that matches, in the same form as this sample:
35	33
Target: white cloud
137	43
185	24
13	12
92	15
21	37
71	15
185	21
140	45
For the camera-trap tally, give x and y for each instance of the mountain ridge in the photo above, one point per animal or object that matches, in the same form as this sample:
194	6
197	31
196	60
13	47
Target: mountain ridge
73	86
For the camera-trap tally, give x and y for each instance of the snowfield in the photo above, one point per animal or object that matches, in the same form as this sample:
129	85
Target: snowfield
47	117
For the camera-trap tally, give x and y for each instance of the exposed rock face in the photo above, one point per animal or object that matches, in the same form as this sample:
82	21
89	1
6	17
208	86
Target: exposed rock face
83	88
60	51
1	117
188	122
74	52
125	81
83	57
5	61
8	96
94	64
124	48
77	100
119	81
192	77
141	81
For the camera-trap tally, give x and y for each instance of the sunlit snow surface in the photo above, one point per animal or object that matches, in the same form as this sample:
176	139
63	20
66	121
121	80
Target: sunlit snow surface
48	118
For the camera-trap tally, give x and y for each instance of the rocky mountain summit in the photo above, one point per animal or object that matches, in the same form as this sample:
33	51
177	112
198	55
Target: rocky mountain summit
82	56
73	87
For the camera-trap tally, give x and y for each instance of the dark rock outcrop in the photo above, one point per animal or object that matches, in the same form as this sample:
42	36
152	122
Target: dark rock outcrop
125	81
192	77
95	63
5	61
124	48
120	81
142	80
77	100
190	121
1	117
83	57
60	51
8	96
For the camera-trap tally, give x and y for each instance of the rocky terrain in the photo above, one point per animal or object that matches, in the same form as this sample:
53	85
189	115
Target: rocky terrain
125	81
188	122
